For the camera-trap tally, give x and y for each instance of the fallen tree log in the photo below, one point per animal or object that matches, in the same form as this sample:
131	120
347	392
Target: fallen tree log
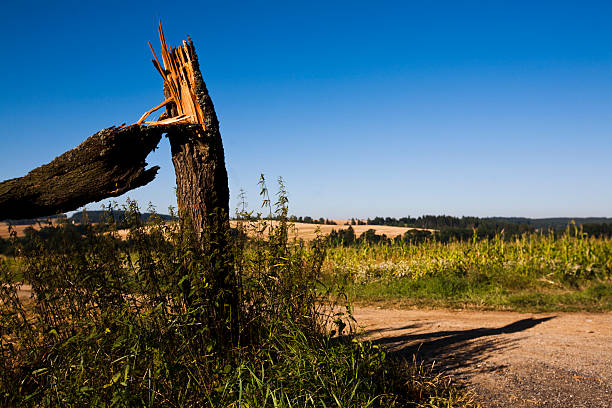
107	164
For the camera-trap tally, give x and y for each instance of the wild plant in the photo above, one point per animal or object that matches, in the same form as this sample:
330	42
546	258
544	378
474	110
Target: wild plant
98	316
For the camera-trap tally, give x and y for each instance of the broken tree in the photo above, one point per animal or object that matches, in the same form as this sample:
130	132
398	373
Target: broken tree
112	162
197	151
201	177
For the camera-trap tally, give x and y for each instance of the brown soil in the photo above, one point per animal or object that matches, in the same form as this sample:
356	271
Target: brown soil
507	359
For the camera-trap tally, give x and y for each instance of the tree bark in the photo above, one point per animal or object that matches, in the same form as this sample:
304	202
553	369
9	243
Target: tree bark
199	163
107	164
203	200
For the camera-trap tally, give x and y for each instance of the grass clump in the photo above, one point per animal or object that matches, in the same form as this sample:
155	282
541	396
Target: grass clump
89	319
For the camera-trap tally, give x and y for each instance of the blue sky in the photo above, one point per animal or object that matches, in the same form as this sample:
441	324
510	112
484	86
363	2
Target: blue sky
364	108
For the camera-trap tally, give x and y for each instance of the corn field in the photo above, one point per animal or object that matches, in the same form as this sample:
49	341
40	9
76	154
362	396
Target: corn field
555	257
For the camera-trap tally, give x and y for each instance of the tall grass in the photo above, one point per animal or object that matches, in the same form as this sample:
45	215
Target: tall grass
91	320
541	271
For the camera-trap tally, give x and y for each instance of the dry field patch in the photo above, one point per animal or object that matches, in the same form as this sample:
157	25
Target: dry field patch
300	230
20	229
308	232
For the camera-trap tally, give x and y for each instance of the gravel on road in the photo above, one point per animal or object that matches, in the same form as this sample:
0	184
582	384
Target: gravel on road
507	359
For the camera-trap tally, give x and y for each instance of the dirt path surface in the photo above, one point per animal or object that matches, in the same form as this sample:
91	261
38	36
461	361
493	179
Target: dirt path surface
508	359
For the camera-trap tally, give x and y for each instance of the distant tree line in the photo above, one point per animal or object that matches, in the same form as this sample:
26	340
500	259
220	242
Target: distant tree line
347	237
310	220
485	228
449	227
442	221
599	230
293	218
354	221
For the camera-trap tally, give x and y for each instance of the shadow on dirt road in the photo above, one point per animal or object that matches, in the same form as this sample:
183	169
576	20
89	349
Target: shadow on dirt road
507	359
455	348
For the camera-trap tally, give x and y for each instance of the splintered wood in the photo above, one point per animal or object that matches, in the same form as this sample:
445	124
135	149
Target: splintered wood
179	80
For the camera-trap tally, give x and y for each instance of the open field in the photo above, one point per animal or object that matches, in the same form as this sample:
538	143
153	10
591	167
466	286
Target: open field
535	272
308	232
303	231
19	229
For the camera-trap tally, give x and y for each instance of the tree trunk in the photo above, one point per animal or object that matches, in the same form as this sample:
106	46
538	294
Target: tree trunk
203	201
199	163
107	164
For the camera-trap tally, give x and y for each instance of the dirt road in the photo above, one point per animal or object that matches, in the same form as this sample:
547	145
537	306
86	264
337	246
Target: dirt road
507	359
